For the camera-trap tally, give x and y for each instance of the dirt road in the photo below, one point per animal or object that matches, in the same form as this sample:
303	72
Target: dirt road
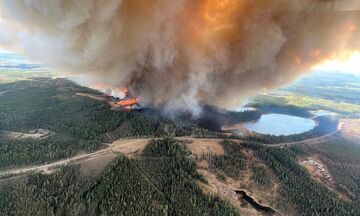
126	146
133	147
312	141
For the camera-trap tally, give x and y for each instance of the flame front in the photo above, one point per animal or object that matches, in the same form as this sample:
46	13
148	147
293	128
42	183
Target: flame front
127	102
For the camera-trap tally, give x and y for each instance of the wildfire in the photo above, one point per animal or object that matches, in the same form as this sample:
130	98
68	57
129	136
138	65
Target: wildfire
120	95
127	102
117	92
177	55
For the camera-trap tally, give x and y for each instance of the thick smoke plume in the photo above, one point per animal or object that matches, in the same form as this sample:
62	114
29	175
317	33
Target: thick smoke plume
179	54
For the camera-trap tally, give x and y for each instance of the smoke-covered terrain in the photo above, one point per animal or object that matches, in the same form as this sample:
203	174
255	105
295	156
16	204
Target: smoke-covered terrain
180	54
150	130
73	170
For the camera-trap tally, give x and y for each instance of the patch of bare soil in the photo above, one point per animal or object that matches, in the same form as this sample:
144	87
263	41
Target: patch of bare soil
350	128
215	186
320	172
37	134
238	129
93	165
199	147
263	195
226	188
317	170
129	147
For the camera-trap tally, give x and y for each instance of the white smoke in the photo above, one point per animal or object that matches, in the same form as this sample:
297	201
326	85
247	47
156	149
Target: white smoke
179	54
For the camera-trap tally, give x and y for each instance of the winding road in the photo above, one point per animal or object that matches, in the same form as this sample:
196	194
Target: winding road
125	146
311	141
130	147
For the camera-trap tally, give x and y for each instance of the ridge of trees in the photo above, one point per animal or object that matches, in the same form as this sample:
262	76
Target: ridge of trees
162	182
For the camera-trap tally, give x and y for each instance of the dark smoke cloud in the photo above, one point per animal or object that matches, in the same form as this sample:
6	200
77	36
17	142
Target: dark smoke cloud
178	54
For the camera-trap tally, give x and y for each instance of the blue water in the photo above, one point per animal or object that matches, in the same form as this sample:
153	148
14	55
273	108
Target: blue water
319	113
278	124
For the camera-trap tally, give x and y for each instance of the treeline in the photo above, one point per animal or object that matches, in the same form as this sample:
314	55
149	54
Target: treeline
324	126
162	182
273	107
241	117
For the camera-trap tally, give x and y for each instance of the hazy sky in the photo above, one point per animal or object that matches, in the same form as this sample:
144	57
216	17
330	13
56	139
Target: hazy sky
13	61
347	65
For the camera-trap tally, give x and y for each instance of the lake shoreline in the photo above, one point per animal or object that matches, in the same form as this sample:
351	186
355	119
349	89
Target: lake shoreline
273	124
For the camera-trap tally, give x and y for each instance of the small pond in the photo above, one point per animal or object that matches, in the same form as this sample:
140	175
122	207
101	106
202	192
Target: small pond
279	124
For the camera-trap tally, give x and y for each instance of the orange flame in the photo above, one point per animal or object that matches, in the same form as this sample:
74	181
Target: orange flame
127	102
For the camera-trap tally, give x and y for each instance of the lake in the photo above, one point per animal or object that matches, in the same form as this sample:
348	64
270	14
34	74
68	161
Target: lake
319	113
278	124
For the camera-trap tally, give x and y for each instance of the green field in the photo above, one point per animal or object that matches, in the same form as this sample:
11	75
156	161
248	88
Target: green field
9	76
336	92
306	102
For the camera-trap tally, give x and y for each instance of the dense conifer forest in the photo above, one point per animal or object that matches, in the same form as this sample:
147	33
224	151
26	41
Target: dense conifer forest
342	159
79	123
297	188
161	182
245	116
